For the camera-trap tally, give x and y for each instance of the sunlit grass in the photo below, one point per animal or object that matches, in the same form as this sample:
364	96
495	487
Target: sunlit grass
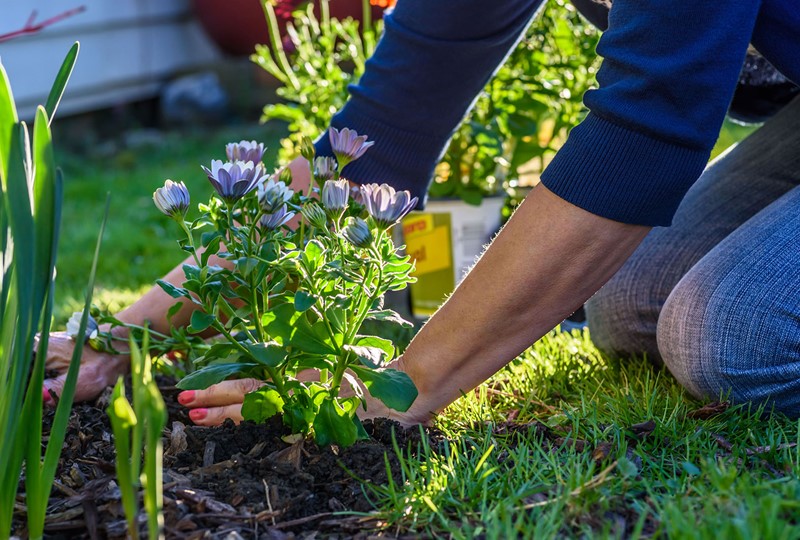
545	449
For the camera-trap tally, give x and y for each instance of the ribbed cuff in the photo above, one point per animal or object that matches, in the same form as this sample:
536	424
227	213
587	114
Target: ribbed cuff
621	174
401	159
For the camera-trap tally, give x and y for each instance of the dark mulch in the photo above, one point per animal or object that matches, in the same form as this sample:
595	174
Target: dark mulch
227	482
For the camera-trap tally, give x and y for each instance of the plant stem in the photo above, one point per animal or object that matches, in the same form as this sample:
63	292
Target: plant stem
189	236
277	381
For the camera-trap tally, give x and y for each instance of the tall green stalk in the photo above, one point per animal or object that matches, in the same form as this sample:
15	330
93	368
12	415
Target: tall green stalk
30	210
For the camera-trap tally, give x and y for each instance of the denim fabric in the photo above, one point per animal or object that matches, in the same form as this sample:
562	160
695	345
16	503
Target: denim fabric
716	297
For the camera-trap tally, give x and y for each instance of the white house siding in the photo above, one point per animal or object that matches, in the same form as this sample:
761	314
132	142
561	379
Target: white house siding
129	48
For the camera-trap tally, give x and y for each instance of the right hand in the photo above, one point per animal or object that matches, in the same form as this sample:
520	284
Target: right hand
97	370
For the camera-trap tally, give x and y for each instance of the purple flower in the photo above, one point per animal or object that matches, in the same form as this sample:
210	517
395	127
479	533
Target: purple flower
172	199
234	180
348	145
245	151
272	194
385	205
357	232
270	222
324	169
335	194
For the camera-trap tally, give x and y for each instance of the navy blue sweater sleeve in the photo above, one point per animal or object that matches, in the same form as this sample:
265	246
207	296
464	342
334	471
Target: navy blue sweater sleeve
433	60
669	71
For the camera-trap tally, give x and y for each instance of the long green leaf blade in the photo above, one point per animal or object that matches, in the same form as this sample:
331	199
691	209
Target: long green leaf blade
61	80
59	428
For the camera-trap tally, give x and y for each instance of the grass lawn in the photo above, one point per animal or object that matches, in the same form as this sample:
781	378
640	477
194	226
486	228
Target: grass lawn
562	443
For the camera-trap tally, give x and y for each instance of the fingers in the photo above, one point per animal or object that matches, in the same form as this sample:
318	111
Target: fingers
214	416
220	394
92	380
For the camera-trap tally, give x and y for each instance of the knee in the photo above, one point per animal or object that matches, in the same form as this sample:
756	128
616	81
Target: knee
722	342
622	317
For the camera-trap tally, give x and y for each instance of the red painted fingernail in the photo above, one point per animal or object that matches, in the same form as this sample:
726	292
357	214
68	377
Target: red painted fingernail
46	397
198	414
184	398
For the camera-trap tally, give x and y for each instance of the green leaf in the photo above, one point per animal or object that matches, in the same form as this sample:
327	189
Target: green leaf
8	121
374	341
371	357
61	80
200	321
299	412
279	322
173	310
205	377
312	255
246	265
303	301
262	404
313	338
333	425
270	354
172	290
394	388
218	350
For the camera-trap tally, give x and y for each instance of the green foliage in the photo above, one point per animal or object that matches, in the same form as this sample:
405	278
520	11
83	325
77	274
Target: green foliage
135	429
288	300
523	115
30	213
518	122
326	55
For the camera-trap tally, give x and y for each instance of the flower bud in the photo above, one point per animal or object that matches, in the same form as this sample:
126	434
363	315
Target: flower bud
307	149
357	232
335	195
315	215
172	199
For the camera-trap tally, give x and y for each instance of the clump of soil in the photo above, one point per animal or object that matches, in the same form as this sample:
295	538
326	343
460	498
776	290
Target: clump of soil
245	481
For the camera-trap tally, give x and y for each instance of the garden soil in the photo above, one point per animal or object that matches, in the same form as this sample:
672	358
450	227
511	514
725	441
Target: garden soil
245	481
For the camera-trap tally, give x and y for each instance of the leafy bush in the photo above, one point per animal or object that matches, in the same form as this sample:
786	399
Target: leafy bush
294	302
520	119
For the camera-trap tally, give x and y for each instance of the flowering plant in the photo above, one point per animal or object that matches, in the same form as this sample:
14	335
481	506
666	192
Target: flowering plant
294	299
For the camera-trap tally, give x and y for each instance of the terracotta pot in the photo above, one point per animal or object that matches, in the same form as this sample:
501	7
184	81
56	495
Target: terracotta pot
237	26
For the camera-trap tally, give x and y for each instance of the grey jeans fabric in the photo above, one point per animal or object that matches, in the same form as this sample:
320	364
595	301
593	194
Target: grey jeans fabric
716	297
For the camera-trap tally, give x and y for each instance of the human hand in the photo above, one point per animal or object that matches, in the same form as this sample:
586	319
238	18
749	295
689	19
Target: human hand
97	370
221	401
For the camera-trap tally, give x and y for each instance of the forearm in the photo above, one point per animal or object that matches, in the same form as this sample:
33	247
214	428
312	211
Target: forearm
549	258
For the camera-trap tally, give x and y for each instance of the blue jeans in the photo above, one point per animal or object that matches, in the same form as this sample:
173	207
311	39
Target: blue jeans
716	297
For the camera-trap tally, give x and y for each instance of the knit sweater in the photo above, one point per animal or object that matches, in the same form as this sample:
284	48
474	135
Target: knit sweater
669	71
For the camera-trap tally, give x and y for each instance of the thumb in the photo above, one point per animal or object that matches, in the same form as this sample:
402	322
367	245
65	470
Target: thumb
52	388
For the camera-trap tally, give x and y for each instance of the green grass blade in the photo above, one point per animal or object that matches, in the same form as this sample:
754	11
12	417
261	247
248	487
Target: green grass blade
65	403
61	80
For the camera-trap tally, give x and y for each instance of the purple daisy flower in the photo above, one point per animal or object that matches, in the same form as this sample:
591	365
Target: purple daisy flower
348	145
270	222
232	181
245	151
385	205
